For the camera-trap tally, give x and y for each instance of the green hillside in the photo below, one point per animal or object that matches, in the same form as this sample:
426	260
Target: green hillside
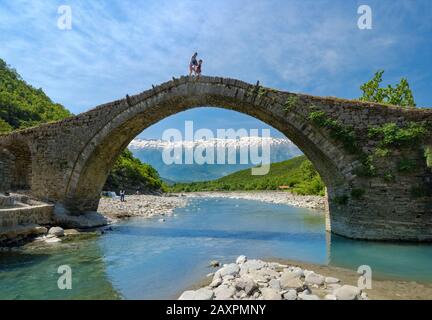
297	173
131	174
23	106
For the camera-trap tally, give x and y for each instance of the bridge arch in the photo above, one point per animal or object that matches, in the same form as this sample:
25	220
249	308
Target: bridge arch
99	155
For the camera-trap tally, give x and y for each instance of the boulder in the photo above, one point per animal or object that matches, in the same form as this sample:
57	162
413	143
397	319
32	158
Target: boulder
224	292
246	284
187	295
304	296
289	280
204	294
290	295
200	294
217	281
347	292
253	265
56	231
331	280
229	269
241	259
270	294
313	278
275	284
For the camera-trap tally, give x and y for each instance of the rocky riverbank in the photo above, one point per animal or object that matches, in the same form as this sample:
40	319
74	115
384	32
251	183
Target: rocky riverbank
259	280
281	197
292	280
141	206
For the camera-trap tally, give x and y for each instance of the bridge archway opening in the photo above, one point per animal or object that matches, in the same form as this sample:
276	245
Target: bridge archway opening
95	170
20	168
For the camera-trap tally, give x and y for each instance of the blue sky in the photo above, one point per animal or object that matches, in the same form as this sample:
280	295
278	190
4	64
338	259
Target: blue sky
123	47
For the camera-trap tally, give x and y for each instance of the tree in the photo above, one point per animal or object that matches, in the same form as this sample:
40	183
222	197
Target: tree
401	95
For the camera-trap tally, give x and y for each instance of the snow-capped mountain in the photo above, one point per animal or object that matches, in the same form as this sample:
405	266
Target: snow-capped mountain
151	151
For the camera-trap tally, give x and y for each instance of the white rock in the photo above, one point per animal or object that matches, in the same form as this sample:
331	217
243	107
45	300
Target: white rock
270	294
290	280
53	240
308	296
307	272
161	220
347	292
187	295
229	269
331	280
268	273
246	284
241	259
204	294
290	295
364	296
216	282
56	231
330	297
253	264
274	284
333	286
313	278
224	292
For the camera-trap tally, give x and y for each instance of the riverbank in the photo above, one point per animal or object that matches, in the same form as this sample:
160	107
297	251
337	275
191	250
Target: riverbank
278	197
154	205
141	206
290	280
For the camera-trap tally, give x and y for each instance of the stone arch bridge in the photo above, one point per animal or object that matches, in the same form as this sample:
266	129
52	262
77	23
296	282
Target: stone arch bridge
370	194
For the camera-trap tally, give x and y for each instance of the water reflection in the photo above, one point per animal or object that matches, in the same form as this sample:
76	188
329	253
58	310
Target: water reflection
405	261
32	274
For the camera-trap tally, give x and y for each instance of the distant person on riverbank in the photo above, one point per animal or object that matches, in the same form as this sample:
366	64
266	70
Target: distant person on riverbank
122	195
193	63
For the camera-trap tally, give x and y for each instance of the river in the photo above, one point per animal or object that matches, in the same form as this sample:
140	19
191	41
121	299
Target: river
148	259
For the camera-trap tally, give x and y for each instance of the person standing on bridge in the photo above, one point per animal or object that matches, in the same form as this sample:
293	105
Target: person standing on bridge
193	63
198	68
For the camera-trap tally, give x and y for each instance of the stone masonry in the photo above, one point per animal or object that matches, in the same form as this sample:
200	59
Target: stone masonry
67	162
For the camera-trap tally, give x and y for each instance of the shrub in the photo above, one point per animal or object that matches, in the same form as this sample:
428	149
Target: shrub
391	135
291	103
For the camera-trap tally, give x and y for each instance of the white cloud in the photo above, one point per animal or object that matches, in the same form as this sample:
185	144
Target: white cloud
119	47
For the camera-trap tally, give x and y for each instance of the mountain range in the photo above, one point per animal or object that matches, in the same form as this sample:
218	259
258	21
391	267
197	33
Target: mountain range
151	152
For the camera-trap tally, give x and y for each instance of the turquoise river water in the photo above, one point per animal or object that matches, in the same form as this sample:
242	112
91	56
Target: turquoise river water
148	259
